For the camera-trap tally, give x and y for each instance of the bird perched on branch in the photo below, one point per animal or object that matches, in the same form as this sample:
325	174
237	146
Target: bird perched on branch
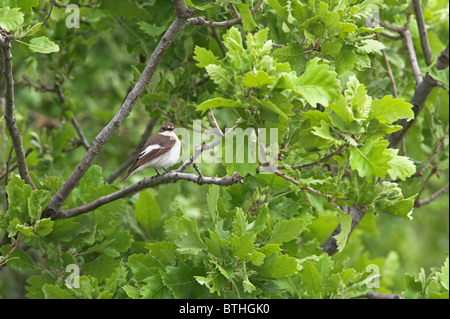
162	150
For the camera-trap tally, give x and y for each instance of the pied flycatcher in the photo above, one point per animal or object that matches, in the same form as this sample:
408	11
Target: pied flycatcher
162	150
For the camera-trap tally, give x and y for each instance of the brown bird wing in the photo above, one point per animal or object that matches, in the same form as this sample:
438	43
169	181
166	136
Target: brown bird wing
165	143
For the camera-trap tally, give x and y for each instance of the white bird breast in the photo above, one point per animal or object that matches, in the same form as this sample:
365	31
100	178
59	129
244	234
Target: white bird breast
167	159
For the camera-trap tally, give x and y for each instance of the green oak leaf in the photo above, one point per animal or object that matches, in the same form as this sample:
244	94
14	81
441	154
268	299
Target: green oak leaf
204	57
10	19
43	45
388	110
319	84
218	102
371	159
257	79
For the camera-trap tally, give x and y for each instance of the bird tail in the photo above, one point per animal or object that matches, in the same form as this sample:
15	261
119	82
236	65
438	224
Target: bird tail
126	176
130	171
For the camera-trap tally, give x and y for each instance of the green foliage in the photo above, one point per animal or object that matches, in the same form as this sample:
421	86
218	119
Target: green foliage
435	286
310	69
11	19
14	18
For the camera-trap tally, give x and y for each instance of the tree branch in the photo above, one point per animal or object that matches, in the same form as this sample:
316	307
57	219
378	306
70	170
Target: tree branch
256	7
10	121
181	9
14	166
203	21
442	59
52	4
13	247
428	200
2	127
179	23
330	245
422	32
404	32
377	295
74	121
388	70
215	35
390	36
412	56
214	123
171	177
421	94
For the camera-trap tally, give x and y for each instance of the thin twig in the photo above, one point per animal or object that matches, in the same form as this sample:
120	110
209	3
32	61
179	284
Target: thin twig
422	32
13	247
197	169
403	147
57	89
7	178
256	7
406	35
425	183
438	147
389	26
14	166
390	36
320	160
311	190
74	121
215	35
7	173
80	133
214	122
235	10
52	4
430	199
202	21
388	70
